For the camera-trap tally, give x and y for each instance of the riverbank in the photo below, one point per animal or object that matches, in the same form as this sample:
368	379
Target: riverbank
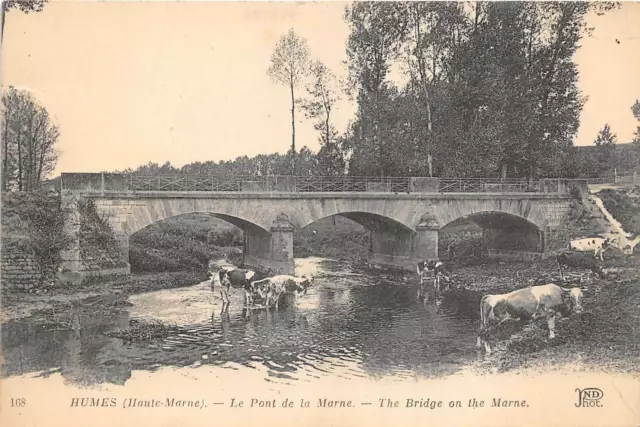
17	305
604	338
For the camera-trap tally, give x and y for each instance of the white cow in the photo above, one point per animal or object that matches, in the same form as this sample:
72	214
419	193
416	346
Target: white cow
597	245
622	242
271	288
528	304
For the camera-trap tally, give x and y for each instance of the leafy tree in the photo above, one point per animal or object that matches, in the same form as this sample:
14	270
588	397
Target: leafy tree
29	138
635	109
374	41
323	93
606	143
491	88
289	63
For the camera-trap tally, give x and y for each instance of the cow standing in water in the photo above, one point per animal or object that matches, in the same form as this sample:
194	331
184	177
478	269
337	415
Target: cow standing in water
439	272
527	305
238	279
272	288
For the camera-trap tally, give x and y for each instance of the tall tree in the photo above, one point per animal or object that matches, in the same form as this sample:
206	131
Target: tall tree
322	95
635	109
377	29
289	64
606	145
29	138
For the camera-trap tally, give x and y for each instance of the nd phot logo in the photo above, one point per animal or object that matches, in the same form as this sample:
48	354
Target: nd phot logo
589	397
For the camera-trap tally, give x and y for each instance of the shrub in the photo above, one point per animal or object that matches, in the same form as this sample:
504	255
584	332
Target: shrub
184	243
35	221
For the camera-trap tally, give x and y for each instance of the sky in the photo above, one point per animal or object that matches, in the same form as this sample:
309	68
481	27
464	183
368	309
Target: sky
133	82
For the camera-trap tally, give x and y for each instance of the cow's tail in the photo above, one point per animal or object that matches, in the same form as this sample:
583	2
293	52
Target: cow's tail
482	314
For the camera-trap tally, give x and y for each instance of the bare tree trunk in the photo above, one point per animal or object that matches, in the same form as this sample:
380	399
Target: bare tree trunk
20	161
293	132
3	6
5	140
425	89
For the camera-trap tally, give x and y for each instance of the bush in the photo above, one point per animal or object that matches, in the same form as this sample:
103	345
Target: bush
184	243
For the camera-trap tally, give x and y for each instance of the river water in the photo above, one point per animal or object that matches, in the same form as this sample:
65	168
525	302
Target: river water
349	325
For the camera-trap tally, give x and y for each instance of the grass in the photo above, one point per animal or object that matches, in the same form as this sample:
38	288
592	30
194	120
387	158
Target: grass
624	205
335	237
144	331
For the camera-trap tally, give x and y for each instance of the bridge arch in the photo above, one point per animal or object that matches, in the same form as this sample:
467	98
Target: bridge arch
365	209
453	209
505	231
370	221
234	212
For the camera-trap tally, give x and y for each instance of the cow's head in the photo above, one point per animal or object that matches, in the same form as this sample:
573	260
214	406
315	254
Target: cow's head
261	288
600	271
305	284
573	299
223	275
422	265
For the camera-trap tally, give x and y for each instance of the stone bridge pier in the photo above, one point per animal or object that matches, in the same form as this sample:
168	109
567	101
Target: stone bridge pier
270	251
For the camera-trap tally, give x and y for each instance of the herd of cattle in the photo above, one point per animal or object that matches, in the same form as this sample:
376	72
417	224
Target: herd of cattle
270	289
549	301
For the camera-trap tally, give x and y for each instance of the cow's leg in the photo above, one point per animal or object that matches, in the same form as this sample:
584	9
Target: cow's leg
224	294
551	323
267	301
487	349
561	273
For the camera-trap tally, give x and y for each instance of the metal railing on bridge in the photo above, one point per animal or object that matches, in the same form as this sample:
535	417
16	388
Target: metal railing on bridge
101	182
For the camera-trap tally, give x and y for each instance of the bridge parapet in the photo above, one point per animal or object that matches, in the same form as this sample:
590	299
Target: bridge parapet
110	182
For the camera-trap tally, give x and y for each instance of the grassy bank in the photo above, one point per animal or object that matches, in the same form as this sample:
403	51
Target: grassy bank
624	205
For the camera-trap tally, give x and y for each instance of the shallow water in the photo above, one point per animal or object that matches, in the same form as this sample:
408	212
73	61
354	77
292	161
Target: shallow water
349	325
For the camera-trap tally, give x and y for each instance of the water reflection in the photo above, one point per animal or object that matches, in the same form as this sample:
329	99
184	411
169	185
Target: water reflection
348	325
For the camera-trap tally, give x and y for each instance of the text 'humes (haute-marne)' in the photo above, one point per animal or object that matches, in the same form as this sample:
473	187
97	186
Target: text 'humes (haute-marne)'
413	403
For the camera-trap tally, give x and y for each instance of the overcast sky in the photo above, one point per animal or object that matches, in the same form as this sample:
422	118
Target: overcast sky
134	82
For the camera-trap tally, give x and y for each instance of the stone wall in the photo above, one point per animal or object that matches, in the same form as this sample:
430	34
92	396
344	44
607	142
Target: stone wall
19	269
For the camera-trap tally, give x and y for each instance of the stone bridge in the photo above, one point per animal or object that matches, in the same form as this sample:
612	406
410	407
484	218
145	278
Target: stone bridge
404	215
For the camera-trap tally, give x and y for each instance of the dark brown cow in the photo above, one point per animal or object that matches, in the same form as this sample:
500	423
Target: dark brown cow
231	277
580	260
440	272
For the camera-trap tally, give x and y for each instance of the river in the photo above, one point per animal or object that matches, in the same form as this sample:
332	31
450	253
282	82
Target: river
349	325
